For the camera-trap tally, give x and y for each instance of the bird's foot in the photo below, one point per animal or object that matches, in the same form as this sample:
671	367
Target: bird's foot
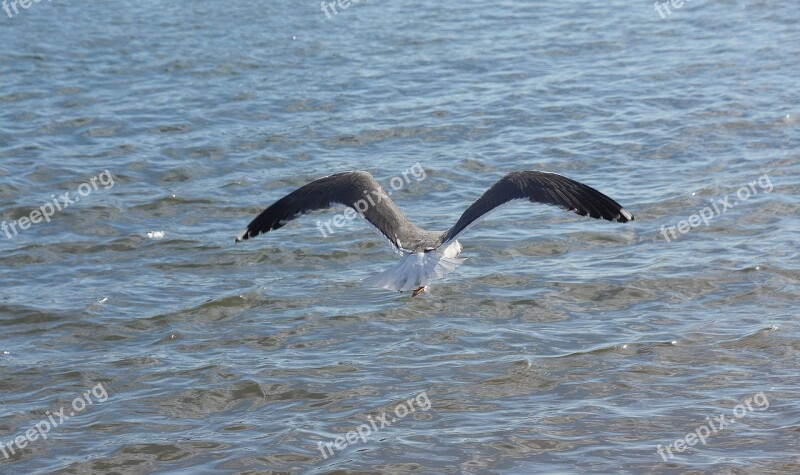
418	291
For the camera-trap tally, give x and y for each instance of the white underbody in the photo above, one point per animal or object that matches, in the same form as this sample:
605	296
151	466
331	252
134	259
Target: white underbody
418	269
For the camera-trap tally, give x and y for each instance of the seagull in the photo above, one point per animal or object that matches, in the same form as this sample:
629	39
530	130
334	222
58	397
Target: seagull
429	255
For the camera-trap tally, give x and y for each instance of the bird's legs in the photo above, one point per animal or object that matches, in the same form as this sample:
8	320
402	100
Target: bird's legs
418	291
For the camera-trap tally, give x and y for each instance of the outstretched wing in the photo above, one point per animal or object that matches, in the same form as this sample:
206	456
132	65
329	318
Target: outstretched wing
541	187
357	190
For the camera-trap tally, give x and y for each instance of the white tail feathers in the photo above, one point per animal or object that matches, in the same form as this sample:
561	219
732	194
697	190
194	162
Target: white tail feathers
419	269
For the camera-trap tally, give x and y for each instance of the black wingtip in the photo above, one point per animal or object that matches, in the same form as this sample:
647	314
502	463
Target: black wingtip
243	236
625	216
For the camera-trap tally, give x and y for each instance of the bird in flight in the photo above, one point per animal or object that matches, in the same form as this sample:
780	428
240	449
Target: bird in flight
429	255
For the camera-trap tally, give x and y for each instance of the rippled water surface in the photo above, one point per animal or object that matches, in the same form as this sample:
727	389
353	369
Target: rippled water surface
562	345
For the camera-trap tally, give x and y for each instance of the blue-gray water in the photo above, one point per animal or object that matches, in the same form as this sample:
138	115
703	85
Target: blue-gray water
562	345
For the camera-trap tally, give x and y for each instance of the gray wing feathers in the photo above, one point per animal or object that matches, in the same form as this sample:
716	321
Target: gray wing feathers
356	189
541	187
